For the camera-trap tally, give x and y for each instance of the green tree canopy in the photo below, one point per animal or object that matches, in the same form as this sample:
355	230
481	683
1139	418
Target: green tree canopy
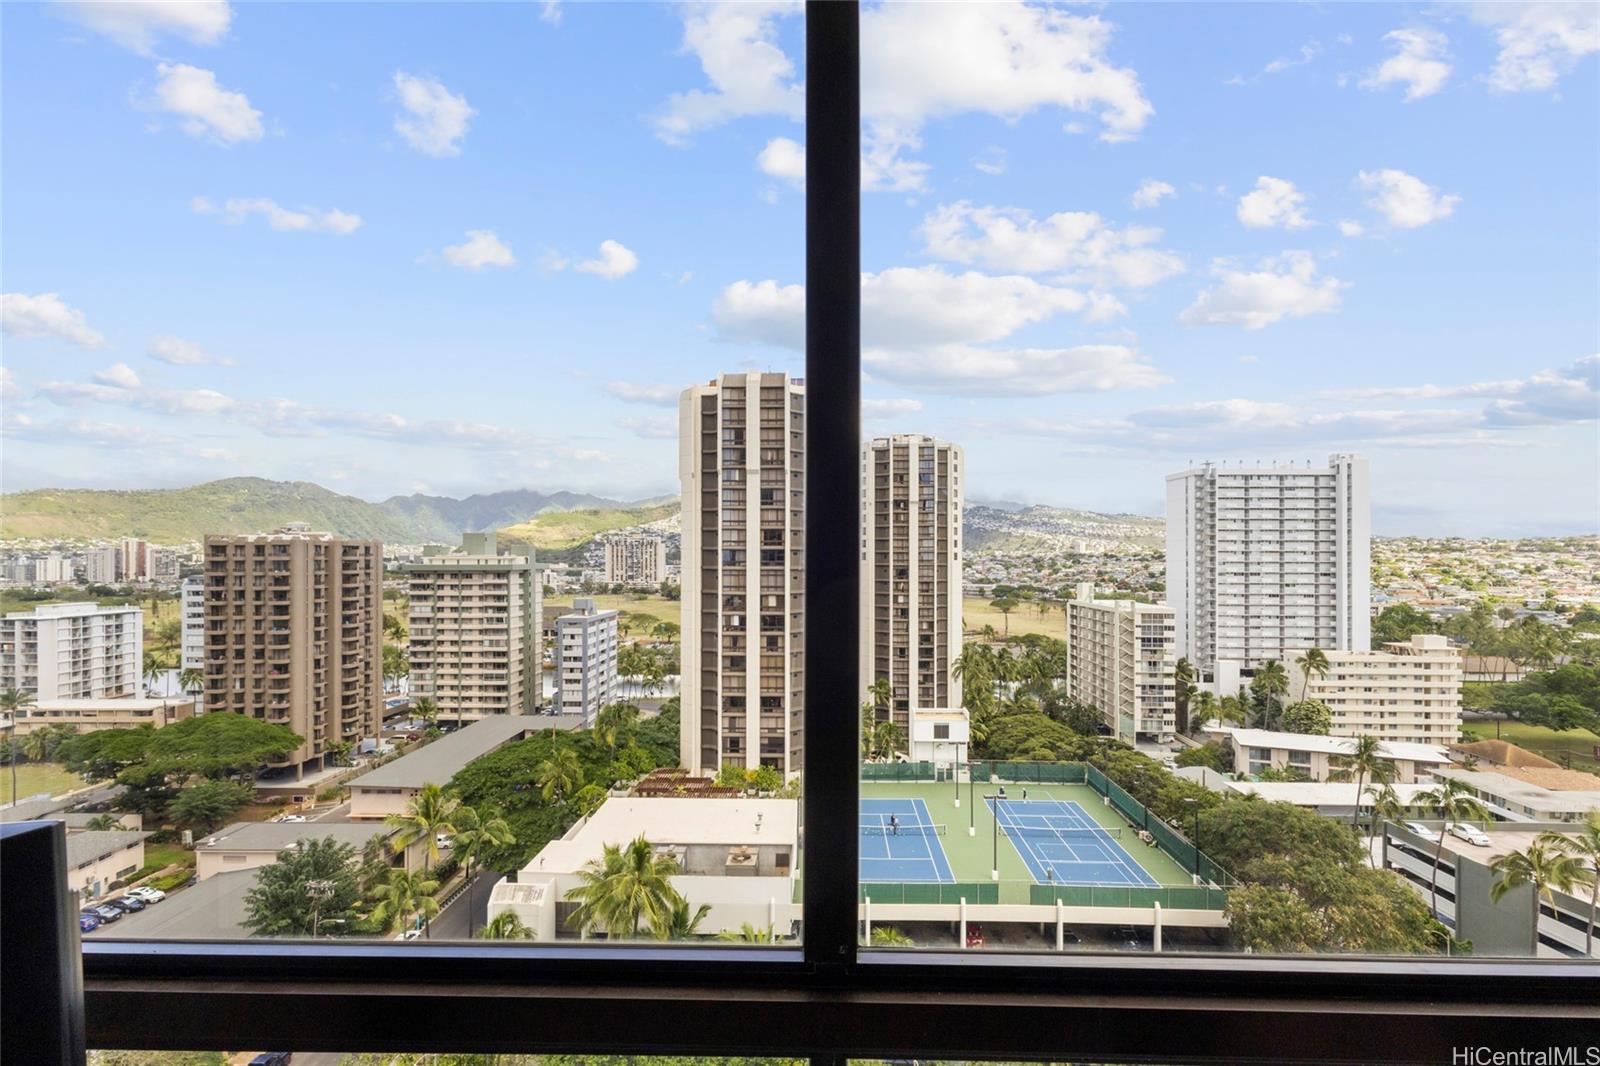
217	745
313	883
1310	717
205	805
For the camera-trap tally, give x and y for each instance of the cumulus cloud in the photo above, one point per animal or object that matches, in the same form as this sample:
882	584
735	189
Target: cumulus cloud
1567	394
1151	192
1274	202
784	159
1078	245
613	262
1538	42
86	432
656	395
653	427
119	376
305	220
481	249
179	352
1404	200
1349	227
46	315
433	120
747	71
1419	63
873	410
139	24
1285	286
205	108
966	370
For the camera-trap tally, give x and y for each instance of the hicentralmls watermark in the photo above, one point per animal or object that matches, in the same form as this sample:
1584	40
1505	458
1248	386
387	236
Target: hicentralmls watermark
1526	1056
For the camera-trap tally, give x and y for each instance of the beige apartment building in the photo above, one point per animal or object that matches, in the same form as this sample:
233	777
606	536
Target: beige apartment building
87	716
474	636
73	651
741	461
294	635
1409	692
1121	656
911	572
636	561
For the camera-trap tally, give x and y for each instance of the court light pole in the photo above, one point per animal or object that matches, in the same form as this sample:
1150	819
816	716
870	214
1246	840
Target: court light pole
1194	805
955	775
994	871
972	803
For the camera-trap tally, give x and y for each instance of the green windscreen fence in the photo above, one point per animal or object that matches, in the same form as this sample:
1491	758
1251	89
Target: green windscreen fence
913	892
1182	851
1042	773
897	771
1198	898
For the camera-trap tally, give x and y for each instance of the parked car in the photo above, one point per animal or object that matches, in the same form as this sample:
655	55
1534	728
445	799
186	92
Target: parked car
291	818
127	903
974	936
1430	835
411	934
147	895
87	922
106	913
1470	833
444	841
272	1058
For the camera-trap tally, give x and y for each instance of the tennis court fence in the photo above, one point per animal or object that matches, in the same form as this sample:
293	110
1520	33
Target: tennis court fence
1027	893
899	771
1027	832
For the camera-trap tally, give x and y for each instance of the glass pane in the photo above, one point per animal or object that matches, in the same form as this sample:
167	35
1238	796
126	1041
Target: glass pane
346	589
1209	602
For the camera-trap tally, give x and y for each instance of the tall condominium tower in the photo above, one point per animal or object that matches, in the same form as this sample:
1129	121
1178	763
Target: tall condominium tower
73	651
634	560
911	573
1262	560
741	459
294	635
473	630
585	660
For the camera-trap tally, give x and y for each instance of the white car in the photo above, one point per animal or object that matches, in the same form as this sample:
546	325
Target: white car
291	818
444	840
147	895
410	934
1430	835
1470	833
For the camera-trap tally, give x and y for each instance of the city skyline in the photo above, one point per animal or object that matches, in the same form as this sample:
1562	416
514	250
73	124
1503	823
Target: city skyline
419	266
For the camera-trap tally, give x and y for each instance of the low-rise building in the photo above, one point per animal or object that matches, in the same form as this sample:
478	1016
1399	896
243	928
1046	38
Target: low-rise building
247	845
1491	753
99	857
1121	659
86	716
1530	794
1408	692
1258	750
585	660
1334	799
939	735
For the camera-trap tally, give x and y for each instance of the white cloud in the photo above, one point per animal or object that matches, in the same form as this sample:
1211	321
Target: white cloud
138	24
1274	202
305	220
1286	286
1568	394
481	249
873	410
654	427
551	12
1308	51
179	352
1349	227
46	315
992	161
613	262
1404	200
748	72
656	395
206	108
1151	192
10	391
86	432
784	159
1418	63
119	376
965	370
434	120
161	401
1079	245
1538	42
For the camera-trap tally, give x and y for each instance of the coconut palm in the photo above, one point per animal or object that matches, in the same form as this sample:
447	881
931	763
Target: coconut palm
1453	803
1231	709
1183	676
191	679
474	835
881	692
1386	807
1273	681
425	710
404	895
627	886
153	666
1203	708
1584	845
431	811
35	746
560	775
1545	869
749	934
14	701
1363	761
680	922
101	822
505	926
614	722
1314	661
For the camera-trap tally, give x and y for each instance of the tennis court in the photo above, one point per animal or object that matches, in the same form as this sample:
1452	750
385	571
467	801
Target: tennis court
1061	844
906	850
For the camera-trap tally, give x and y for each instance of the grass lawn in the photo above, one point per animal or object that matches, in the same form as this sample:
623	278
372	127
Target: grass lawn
1576	744
1025	618
34	778
159	855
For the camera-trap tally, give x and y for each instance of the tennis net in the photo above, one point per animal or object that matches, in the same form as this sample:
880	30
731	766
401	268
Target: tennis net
1031	832
905	829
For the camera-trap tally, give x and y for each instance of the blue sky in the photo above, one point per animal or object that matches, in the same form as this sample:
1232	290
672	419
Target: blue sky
461	248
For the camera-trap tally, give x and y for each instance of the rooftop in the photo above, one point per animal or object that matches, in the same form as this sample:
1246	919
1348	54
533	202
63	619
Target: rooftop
97	844
113	703
1319	793
72	610
1500	783
275	836
676	821
437	762
1502	753
214	909
1388	749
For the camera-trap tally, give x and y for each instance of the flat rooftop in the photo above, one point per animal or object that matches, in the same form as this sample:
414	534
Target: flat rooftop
1319	793
214	909
275	836
675	821
111	703
1388	749
1516	790
97	844
437	762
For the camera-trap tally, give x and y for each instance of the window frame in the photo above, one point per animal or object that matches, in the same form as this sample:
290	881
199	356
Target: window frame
825	998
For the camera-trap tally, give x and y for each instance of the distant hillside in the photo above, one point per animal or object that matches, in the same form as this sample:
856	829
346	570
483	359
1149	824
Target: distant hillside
444	518
560	530
1055	529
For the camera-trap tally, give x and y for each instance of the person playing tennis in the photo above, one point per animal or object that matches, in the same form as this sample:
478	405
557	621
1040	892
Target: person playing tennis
894	825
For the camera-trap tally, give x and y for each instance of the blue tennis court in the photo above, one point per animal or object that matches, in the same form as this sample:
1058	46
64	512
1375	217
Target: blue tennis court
1061	844
908	851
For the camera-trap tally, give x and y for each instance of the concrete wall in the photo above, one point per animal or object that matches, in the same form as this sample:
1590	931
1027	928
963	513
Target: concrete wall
94	879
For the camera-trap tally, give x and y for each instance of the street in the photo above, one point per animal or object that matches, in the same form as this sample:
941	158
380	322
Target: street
451	924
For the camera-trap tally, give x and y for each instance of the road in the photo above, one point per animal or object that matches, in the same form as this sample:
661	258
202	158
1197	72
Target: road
451	924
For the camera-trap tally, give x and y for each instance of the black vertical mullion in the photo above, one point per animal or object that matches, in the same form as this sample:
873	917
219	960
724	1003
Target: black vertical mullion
832	457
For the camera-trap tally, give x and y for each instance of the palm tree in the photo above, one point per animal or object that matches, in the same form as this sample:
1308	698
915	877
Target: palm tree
431	811
426	710
881	692
1314	661
1231	709
154	664
1273	680
191	679
1364	761
614	722
505	926
1183	676
14	701
1584	845
887	936
680	923
1453	803
101	822
749	934
1548	871
1203	708
1386	807
560	775
35	745
473	836
404	895
628	885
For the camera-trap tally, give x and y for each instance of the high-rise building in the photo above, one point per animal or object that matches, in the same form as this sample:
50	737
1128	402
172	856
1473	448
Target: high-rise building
1263	559
741	459
1410	691
585	660
73	651
135	559
636	561
294	635
52	568
911	573
1120	659
473	628
101	566
192	596
161	565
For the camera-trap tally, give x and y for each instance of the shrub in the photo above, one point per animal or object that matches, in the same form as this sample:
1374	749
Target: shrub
168	882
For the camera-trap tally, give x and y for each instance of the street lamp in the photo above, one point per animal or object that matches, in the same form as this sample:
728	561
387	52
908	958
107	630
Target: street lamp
318	891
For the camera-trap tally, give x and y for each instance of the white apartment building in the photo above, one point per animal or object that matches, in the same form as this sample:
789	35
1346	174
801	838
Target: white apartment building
1120	659
911	572
73	651
636	561
101	566
52	569
585	660
474	630
1262	559
192	651
741	461
1410	691
161	565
